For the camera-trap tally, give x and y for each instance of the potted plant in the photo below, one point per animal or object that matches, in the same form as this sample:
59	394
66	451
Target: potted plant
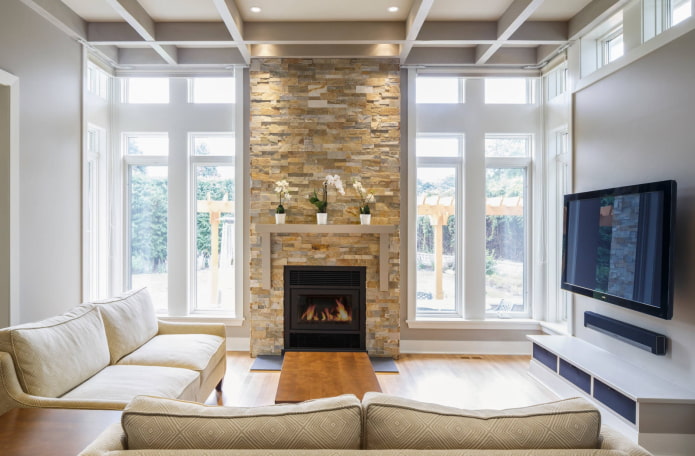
366	197
321	201
282	188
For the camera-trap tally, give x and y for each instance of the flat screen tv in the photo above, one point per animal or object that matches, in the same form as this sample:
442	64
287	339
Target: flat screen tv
618	246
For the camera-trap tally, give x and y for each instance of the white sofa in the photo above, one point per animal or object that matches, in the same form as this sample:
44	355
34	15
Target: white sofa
102	354
343	426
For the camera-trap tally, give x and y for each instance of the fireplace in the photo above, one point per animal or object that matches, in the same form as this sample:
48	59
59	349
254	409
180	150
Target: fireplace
325	308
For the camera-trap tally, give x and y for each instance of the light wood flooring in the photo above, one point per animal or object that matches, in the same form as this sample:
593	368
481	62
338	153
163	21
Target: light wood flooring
466	381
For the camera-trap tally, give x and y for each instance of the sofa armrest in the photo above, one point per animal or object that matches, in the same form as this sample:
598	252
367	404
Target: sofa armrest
112	439
610	439
169	327
12	395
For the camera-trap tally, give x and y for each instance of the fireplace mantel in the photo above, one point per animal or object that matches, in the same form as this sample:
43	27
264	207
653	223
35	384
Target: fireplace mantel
384	232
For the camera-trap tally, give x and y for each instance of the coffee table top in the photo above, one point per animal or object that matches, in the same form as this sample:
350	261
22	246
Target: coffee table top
313	375
54	432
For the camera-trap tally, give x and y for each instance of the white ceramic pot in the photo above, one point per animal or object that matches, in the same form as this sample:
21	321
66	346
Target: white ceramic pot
280	219
365	219
321	218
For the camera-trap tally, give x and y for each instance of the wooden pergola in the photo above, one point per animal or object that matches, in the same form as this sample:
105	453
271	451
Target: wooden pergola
214	209
439	209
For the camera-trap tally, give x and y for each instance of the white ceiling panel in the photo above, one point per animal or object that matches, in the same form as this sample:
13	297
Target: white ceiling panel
324	10
93	10
181	10
469	10
555	10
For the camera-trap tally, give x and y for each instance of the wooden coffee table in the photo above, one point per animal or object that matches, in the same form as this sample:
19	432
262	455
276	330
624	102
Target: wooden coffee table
312	375
52	432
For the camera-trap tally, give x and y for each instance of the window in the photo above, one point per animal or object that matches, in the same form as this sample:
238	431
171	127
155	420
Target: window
556	82
507	145
506	224
612	46
176	192
508	91
212	157
211	90
680	10
439	161
147	208
146	90
441	90
97	81
96	217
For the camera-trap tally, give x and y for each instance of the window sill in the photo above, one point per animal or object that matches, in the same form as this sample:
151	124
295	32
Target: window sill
492	323
198	318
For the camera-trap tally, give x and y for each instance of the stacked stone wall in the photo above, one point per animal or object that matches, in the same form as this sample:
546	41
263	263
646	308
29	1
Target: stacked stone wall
311	118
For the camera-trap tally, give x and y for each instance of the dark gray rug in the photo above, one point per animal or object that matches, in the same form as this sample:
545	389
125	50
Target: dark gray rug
274	363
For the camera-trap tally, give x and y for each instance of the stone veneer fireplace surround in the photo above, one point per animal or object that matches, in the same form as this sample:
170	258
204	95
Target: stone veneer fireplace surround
310	118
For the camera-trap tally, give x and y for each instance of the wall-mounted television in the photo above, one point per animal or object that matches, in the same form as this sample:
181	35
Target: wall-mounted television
618	246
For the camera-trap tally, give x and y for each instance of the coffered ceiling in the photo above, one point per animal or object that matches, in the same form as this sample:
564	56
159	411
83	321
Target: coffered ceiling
150	34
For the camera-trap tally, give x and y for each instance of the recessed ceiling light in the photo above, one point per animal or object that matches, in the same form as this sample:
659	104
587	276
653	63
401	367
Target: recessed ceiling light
393	9
255	9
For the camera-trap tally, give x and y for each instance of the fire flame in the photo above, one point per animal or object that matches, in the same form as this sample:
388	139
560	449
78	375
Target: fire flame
336	313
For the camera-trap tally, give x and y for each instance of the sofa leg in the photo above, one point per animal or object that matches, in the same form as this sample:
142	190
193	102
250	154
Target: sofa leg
219	386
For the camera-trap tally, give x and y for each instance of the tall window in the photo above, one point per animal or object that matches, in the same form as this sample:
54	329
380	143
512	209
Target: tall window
180	228
147	200
212	160
506	223
439	161
96	216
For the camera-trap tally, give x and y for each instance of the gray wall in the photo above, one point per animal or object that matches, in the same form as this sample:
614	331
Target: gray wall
4	206
636	126
48	65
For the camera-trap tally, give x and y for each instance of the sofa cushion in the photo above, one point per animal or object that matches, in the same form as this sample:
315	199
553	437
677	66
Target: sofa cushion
188	351
123	383
54	355
156	423
398	423
130	321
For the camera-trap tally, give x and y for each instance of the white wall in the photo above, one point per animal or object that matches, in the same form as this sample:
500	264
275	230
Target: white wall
48	65
636	126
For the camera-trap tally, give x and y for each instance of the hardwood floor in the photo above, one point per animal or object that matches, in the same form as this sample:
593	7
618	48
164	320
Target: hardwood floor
466	381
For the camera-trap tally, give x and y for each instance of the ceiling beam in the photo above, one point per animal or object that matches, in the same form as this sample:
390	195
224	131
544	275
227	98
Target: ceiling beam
232	19
288	32
136	16
414	22
515	16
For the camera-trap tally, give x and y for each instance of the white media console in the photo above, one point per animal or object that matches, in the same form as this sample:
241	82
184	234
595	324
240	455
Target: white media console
658	415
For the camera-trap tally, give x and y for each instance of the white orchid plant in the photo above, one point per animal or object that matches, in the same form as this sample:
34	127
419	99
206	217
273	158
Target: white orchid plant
321	202
282	188
366	196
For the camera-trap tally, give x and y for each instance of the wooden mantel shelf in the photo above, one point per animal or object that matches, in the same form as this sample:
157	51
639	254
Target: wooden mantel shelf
384	232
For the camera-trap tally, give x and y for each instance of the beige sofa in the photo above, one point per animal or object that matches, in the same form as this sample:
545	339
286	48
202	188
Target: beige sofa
340	426
100	355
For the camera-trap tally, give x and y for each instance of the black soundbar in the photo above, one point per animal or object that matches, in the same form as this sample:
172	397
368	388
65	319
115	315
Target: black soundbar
633	335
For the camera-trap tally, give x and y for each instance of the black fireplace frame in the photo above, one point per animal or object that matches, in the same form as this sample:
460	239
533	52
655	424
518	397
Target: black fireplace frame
327	336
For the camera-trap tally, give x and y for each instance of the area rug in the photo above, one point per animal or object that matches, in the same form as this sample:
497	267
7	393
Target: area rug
274	363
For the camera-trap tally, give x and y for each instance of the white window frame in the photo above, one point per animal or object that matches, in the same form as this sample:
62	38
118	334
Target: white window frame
457	164
209	160
604	44
525	164
128	161
530	93
96	214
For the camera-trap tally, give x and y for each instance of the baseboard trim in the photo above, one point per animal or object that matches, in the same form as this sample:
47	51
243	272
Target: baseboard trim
238	344
466	347
444	347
